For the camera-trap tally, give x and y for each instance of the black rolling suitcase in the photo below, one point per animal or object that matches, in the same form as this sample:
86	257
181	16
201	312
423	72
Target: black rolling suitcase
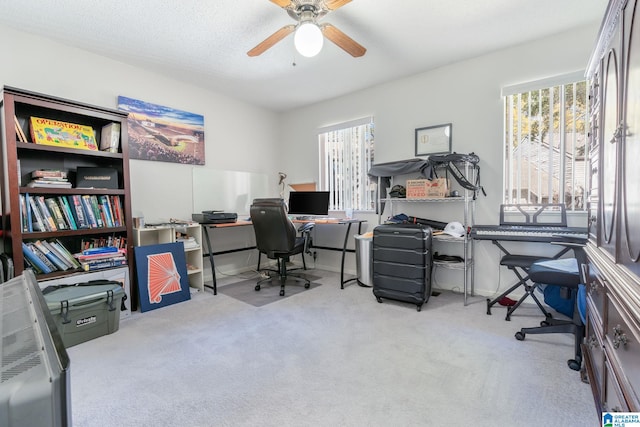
402	263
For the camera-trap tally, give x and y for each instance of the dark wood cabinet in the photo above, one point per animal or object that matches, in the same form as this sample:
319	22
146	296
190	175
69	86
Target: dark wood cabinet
612	342
20	159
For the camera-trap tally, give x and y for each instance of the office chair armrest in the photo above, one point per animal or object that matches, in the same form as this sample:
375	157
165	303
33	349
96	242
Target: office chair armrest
305	231
306	228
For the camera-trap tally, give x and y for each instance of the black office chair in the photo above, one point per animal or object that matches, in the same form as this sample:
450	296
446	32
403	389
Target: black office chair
276	237
566	273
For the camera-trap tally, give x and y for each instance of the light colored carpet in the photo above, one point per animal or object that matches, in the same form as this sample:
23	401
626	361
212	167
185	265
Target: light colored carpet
269	292
327	357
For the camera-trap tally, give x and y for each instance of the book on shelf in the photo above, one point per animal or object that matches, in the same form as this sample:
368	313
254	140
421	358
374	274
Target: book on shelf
78	211
34	213
105	204
118	213
50	173
88	210
62	134
53	258
49	222
110	138
65	252
102	264
49	266
47	183
56	213
98	244
97	211
66	211
18	133
21	136
25	215
57	252
100	250
34	260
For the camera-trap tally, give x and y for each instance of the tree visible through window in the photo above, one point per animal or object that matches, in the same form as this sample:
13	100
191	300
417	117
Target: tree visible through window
346	155
545	144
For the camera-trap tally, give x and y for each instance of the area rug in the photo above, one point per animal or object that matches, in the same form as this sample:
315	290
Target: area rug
269	292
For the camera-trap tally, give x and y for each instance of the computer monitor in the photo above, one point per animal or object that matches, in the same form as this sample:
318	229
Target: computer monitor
309	203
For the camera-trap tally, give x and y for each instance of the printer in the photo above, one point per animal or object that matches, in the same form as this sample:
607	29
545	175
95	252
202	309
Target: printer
214	217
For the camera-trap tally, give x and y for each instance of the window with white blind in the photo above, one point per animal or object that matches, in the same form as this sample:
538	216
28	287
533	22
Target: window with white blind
346	155
545	141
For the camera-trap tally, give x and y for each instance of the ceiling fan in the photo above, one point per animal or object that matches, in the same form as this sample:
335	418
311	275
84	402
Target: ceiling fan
309	33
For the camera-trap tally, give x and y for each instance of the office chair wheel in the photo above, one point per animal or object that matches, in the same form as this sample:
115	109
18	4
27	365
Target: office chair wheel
379	300
520	336
281	292
419	307
573	364
257	288
307	285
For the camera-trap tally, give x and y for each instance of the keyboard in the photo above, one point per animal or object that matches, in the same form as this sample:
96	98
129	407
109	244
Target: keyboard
526	233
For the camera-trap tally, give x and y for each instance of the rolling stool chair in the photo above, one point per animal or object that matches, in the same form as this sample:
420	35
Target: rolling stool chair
516	263
563	272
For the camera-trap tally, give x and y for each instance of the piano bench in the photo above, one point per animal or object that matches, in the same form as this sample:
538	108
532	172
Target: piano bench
521	262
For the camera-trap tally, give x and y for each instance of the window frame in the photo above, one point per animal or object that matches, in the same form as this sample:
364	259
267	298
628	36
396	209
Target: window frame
555	147
342	197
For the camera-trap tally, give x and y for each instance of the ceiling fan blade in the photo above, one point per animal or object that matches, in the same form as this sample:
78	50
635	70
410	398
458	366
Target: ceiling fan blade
342	40
271	40
335	4
282	3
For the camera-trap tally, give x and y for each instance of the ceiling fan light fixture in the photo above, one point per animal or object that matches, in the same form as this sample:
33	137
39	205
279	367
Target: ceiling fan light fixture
308	39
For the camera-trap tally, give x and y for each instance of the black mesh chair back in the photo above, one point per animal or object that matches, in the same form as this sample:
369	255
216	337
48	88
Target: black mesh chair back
276	237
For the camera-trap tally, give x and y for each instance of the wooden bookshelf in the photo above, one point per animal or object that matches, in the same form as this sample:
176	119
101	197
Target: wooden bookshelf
22	158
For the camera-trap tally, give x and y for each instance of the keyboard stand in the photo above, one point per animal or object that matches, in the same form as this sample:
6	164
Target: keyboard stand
520	265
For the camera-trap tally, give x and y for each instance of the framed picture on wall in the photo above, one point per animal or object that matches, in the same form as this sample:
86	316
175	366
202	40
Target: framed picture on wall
433	140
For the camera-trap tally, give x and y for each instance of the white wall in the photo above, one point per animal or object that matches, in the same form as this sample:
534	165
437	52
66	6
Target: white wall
159	190
466	94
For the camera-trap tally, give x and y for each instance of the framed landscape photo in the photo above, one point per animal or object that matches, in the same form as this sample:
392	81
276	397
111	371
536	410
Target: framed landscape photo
433	140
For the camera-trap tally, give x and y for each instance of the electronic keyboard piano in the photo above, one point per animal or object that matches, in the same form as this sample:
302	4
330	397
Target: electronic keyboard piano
530	223
527	233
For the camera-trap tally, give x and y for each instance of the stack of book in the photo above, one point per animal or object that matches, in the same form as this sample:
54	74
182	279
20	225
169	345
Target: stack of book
48	256
48	178
100	258
73	212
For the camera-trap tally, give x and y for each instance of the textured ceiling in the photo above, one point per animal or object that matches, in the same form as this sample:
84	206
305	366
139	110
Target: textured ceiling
205	41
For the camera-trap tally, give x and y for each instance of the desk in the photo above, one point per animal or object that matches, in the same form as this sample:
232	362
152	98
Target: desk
205	228
344	250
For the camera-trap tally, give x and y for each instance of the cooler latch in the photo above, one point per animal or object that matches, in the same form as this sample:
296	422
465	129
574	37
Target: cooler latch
64	311
110	303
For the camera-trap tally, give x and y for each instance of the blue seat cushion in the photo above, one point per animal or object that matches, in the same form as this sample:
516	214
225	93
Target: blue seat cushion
561	272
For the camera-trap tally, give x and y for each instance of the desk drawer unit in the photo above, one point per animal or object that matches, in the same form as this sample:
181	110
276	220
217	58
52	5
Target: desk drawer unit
596	293
613	399
623	345
593	351
402	261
